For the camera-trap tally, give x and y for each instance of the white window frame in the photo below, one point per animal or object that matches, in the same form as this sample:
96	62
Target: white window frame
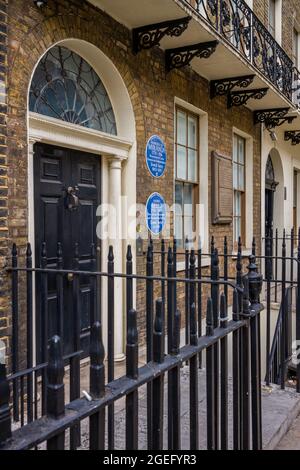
202	219
248	189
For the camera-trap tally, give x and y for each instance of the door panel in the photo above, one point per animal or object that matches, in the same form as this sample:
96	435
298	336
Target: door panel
55	170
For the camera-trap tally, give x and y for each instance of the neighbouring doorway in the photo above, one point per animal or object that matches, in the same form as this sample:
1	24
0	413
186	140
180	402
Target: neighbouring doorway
66	196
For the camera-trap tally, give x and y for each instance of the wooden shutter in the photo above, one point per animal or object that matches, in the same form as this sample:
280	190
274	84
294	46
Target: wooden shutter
222	197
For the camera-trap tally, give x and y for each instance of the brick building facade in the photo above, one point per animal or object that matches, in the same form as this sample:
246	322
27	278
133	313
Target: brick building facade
28	32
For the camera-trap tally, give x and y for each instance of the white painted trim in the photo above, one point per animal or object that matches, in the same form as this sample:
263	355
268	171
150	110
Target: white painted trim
53	131
202	232
249	184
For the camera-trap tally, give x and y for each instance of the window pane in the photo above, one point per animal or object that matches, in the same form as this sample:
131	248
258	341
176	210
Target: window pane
237	229
188	199
178	193
241	150
178	231
235	148
192	163
181	128
237	203
188	229
192	132
241	178
181	162
235	176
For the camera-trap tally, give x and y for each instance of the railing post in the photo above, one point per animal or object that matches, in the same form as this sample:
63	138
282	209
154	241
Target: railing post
215	306
224	374
298	313
149	335
186	294
132	373
174	390
55	390
194	425
199	293
245	369
29	333
110	341
236	383
75	361
255	287
158	382
5	421
283	324
210	380
97	387
45	323
15	329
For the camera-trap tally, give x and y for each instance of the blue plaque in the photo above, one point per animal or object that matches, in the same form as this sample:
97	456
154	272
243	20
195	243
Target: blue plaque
155	213
156	156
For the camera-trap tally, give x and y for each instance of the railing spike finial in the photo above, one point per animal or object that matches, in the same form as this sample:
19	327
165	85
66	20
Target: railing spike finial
14	250
111	254
212	244
129	253
28	250
253	246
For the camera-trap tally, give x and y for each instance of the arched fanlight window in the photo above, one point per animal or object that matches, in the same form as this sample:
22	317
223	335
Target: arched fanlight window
66	87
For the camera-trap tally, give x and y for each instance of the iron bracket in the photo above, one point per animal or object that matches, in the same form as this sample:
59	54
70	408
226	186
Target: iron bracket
294	136
239	98
182	56
225	85
148	36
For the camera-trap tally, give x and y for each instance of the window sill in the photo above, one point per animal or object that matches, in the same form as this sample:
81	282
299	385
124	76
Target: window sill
180	266
245	253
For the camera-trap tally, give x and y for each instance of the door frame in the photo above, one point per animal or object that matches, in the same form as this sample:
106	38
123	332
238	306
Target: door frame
52	131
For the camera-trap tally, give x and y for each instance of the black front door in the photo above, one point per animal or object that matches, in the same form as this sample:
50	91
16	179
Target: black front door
59	175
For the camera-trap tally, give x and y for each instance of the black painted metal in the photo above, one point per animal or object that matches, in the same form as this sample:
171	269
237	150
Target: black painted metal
182	56
240	98
293	136
149	335
224	86
235	21
132	372
148	36
5	419
110	341
158	383
273	117
104	395
97	387
56	391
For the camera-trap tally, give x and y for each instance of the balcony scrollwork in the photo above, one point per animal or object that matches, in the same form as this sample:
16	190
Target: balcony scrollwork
238	25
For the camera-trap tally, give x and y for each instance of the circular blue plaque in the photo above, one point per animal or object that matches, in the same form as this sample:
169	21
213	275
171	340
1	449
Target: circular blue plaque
156	156
155	213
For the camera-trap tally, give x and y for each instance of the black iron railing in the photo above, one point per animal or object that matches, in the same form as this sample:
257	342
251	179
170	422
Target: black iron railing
37	392
240	27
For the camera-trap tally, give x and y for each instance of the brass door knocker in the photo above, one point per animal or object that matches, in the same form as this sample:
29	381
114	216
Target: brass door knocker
72	200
